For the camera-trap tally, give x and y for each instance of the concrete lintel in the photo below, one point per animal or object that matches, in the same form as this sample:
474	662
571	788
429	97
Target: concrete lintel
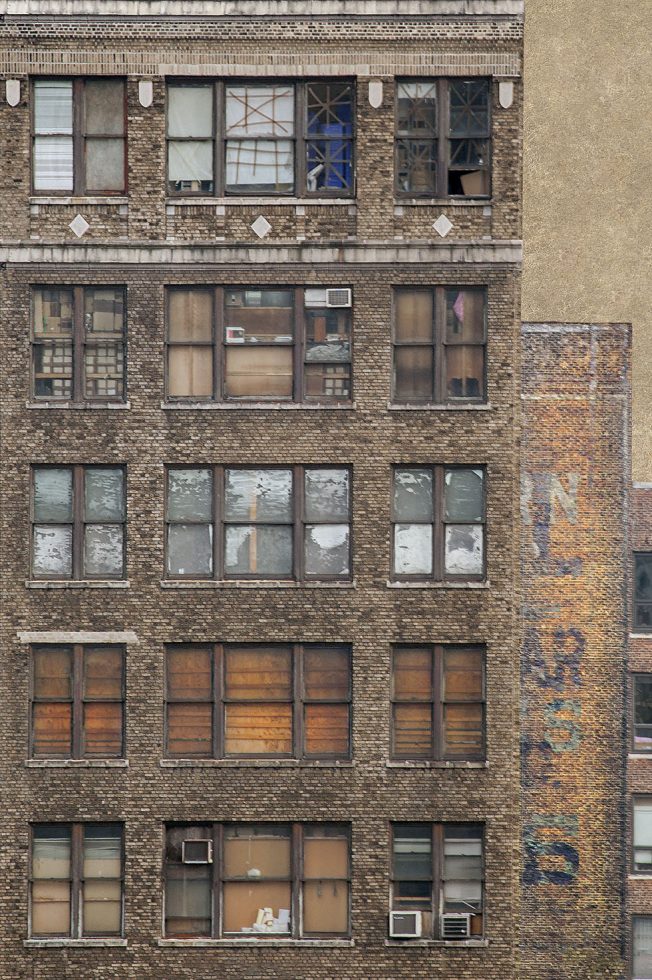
78	636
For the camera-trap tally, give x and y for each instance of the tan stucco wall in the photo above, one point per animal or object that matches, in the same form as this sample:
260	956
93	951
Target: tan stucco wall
588	177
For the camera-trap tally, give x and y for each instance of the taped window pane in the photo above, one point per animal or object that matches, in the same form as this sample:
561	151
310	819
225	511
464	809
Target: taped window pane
259	110
53	313
260	165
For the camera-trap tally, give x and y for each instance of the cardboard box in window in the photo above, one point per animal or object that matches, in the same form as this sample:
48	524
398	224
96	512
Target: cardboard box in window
474	183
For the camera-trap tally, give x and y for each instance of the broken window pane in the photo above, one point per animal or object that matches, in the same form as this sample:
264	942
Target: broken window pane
464	549
326	494
104	494
258	550
469	119
190	549
258	495
463	495
330	129
190	495
52	494
413	495
52	552
413	549
327	549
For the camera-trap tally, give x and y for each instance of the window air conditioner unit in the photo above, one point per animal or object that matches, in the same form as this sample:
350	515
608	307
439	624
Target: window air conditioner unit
404	925
328	298
338	297
456	925
197	851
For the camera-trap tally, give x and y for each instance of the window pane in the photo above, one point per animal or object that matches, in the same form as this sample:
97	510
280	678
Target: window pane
189	674
52	370
104	103
103	550
264	372
329	115
330	108
330	382
258	729
104	312
50	908
643	714
102	908
103	370
266	849
52	552
643	577
469	107
412	851
190	110
464	372
413	495
326	673
258	495
463	495
413	373
417	167
328	335
257	549
190	730
190	549
463	728
52	494
188	901
643	836
260	165
51	851
190	314
102	729
417	108
105	165
412	675
53	673
53	163
190	165
53	312
463	675
464	549
53	106
190	372
413	314
413	730
465	316
102	851
413	549
243	902
642	948
326	907
326	549
52	729
326	495
190	495
103	494
259	316
259	110
258	674
329	163
468	179
326	730
325	855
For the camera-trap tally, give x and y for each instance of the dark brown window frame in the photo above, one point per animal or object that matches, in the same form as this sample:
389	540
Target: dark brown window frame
220	347
439	345
79	138
78	522
79	340
299	139
298	523
635	602
76	879
438	829
634	919
643	676
442	139
438	652
77	700
439	524
296	879
645	799
298	701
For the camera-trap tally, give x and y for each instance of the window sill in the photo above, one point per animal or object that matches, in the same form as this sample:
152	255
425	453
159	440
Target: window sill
80	406
641	634
438	585
77	763
255	764
259	202
257	406
466	943
640	755
80	201
462	407
252	584
77	584
233	943
443	202
435	764
78	943
635	877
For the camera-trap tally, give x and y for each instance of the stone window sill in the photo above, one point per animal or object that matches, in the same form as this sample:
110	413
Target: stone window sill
77	763
77	584
438	585
255	764
466	943
435	764
467	407
73	943
258	202
640	755
276	943
80	406
80	201
252	584
443	202
256	406
639	877
641	635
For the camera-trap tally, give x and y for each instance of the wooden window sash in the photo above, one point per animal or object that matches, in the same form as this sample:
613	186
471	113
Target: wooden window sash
214	139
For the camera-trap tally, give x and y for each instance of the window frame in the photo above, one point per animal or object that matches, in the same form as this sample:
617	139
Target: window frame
219	700
646	677
79	138
634	919
300	138
296	880
218	524
438	525
76	879
644	799
637	628
439	345
437	852
78	344
437	703
77	523
77	700
443	138
220	347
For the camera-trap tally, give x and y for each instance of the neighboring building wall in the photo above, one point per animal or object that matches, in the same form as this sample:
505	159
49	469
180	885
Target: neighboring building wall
575	472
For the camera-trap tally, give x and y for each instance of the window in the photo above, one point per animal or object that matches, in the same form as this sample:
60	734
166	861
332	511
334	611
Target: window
437	870
241	523
642	699
643	834
77	880
439	345
281	701
77	702
78	344
443	132
257	880
79	135
438	702
438	515
260	344
261	138
78	522
642	947
643	591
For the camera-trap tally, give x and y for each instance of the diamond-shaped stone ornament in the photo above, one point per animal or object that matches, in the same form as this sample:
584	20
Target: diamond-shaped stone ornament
79	225
261	226
442	225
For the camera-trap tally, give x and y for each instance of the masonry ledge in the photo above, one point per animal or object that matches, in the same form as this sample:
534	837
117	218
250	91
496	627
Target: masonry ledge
74	943
76	763
443	202
410	943
78	406
77	584
468	407
438	585
253	584
255	764
79	202
276	943
257	202
256	406
434	764
253	8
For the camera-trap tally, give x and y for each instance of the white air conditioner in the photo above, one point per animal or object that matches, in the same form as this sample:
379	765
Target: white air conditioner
456	925
404	925
338	297
197	851
328	298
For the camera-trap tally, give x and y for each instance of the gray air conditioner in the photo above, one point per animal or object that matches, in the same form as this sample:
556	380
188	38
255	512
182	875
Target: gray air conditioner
456	925
404	925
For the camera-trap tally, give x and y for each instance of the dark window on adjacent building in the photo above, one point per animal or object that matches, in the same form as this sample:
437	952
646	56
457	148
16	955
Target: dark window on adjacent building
272	523
78	522
261	344
438	871
643	590
276	701
438	515
642	947
77	702
79	131
642	707
439	345
78	344
642	834
77	880
438	702
443	144
261	138
257	881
